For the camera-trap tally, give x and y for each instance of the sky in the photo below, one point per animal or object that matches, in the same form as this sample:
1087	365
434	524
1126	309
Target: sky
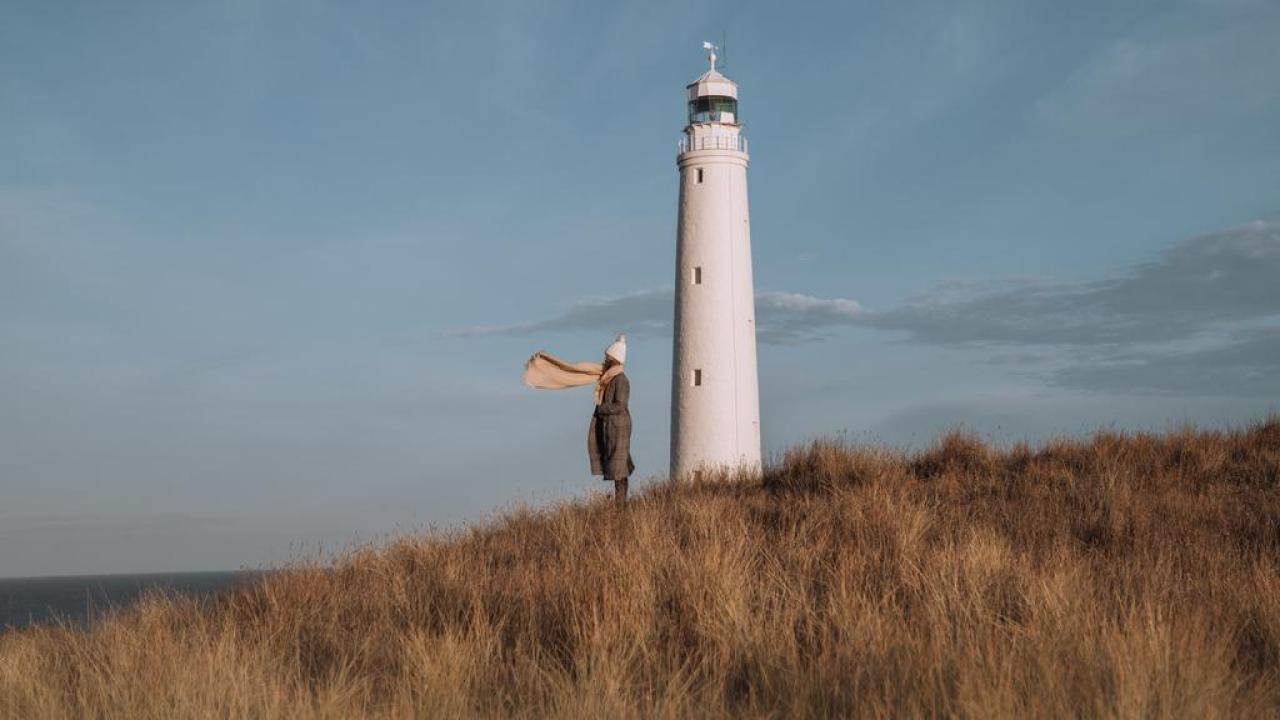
269	271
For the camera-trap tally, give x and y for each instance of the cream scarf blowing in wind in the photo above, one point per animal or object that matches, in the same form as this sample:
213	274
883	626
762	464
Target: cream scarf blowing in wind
548	372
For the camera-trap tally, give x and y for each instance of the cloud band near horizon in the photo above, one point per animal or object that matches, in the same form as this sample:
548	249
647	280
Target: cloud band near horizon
1201	318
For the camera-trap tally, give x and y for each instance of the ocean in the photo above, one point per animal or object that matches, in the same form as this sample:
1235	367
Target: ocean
79	599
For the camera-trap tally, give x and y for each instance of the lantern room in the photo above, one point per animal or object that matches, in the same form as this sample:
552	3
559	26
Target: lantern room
713	98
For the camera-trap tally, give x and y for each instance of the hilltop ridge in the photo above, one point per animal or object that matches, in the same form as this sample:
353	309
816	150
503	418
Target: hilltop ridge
1115	575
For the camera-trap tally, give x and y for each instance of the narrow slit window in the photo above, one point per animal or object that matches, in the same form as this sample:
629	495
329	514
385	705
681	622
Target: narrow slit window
697	377
699	175
697	275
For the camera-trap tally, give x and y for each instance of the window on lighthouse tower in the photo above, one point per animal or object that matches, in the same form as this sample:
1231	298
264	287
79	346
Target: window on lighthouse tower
699	175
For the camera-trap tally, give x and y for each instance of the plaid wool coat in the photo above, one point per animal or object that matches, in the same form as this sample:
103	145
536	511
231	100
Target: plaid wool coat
609	436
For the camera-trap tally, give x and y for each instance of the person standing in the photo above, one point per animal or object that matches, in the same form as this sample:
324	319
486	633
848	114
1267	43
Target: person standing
609	433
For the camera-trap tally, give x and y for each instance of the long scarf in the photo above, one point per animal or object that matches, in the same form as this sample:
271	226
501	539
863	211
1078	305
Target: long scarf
548	372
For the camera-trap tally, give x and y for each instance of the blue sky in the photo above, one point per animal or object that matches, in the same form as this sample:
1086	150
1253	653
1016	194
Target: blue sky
269	270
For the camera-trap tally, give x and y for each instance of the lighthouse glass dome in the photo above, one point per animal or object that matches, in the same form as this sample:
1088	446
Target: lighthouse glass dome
713	108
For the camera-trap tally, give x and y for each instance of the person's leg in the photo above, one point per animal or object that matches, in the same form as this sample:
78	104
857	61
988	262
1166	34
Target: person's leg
620	492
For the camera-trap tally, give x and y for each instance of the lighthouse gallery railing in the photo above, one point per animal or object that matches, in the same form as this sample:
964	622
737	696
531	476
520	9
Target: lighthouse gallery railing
712	142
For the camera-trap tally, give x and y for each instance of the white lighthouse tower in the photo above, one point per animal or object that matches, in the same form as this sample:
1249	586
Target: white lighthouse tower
715	397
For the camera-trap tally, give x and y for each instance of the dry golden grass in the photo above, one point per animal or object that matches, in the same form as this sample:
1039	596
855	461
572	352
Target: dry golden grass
1118	576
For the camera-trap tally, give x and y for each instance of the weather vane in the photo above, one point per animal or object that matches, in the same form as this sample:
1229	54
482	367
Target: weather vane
706	45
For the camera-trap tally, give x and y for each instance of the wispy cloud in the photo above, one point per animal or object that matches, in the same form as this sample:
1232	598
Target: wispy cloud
791	318
1247	366
1199	285
781	318
1198	319
644	312
1200	67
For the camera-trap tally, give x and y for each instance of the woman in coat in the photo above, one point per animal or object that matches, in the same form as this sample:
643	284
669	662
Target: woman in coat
609	436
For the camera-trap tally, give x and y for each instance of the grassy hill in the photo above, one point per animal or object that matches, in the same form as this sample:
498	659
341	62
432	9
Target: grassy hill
1116	576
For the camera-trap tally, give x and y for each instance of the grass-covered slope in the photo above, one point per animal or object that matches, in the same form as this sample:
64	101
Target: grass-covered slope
1118	576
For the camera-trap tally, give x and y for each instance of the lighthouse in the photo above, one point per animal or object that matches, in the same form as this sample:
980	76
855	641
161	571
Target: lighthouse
715	396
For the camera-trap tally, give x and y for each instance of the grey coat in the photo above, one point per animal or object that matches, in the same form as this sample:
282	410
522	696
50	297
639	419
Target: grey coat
609	437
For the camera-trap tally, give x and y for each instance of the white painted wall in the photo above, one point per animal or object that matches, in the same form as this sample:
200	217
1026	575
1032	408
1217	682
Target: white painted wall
717	424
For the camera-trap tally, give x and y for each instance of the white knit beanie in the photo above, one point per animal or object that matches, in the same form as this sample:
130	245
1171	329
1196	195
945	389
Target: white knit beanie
618	350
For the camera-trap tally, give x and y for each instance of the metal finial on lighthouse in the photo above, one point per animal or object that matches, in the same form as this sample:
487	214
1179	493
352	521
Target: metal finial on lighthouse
706	45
